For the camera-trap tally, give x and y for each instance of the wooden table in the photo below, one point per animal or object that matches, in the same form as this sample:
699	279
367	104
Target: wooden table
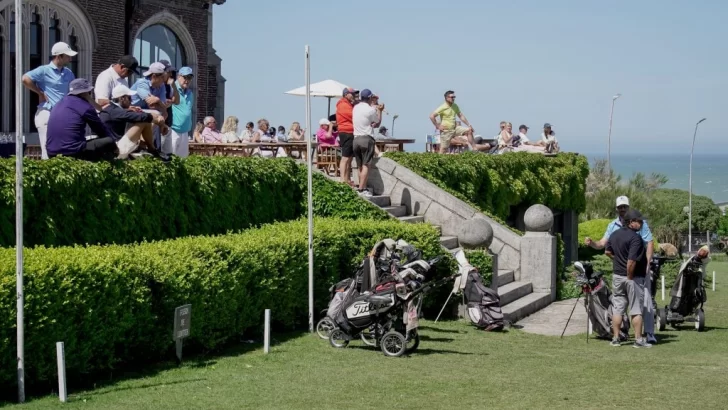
248	149
384	144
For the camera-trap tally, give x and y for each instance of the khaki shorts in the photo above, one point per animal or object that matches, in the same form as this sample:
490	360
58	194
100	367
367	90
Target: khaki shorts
627	292
447	135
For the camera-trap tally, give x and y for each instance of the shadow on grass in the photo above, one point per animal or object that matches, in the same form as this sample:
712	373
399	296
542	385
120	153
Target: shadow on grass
436	339
438	330
143	386
427	352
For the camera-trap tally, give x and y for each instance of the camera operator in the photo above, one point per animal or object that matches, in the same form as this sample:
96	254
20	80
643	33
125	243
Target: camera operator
646	234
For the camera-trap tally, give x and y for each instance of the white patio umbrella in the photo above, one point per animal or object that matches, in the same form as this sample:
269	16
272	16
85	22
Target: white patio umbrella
327	88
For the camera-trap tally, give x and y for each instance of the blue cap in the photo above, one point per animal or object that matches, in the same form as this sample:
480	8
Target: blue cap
547	125
366	93
79	86
185	71
348	90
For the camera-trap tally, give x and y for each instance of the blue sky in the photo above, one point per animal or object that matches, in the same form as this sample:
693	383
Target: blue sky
524	61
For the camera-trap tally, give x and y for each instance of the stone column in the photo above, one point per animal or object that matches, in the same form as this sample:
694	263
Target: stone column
538	251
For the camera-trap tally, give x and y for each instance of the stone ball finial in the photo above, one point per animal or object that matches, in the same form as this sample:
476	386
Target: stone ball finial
475	233
538	218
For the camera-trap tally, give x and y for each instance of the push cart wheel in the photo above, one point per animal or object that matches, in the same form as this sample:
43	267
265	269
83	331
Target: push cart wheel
339	338
700	320
324	327
413	342
369	338
393	344
661	319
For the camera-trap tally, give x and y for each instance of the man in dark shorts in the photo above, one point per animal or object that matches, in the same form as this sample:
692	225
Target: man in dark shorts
366	117
344	121
627	250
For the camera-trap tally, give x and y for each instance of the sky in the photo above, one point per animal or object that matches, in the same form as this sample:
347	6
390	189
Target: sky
527	62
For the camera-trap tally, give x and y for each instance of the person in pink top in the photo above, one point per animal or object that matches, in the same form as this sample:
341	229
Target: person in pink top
325	135
210	134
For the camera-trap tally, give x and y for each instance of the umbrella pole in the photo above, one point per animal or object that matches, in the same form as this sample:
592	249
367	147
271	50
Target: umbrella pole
329	114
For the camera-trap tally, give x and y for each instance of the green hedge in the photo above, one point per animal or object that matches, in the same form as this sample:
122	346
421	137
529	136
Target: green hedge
113	305
68	202
494	183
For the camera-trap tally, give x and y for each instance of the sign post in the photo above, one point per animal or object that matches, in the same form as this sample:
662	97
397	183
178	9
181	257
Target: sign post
20	301
182	316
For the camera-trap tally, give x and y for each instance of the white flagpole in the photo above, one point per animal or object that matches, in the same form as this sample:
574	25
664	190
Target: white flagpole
19	195
310	190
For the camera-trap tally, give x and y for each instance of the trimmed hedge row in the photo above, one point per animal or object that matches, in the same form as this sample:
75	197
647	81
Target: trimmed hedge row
113	305
494	183
68	202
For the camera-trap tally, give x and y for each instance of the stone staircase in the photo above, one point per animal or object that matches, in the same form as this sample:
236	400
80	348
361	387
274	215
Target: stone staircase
517	297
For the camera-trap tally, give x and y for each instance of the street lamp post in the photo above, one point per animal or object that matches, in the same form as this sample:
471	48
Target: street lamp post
609	137
394	118
690	192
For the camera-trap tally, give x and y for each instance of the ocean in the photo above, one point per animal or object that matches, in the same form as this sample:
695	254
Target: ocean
710	173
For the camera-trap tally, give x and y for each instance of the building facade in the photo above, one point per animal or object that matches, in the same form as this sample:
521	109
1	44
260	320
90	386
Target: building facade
102	31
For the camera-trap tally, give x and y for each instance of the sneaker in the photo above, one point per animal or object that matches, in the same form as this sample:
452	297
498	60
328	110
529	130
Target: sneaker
615	343
366	193
641	343
651	339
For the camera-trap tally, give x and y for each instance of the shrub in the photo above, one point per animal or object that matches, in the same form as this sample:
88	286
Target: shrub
593	229
113	305
494	183
69	202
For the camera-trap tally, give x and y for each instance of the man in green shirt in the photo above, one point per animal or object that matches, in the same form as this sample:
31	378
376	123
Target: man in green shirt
448	130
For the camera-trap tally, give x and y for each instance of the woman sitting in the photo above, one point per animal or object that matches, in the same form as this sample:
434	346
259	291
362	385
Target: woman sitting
229	130
325	136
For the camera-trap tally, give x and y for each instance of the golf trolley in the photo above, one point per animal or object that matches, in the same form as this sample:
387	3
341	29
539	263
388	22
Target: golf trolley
687	298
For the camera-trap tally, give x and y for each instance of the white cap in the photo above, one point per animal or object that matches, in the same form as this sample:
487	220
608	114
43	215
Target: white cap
324	121
121	90
62	48
155	68
622	200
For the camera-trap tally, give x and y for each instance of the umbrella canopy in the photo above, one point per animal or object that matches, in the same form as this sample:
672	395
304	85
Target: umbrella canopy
326	88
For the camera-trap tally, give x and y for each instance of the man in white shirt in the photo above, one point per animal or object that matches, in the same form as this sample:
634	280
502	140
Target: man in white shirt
365	118
116	74
548	139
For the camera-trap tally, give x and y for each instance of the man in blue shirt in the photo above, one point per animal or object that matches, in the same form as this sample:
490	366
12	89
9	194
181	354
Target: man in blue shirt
51	83
152	97
67	126
182	113
646	235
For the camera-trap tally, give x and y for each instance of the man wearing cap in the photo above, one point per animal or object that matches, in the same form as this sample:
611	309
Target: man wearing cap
344	119
67	126
365	119
448	129
627	251
116	74
152	97
548	139
50	82
128	127
182	113
170	74
646	235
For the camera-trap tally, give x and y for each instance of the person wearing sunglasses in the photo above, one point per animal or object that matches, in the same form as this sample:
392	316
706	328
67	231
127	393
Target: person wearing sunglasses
447	126
646	235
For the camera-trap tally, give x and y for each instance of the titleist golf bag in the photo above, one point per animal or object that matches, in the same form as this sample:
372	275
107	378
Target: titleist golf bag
599	299
484	308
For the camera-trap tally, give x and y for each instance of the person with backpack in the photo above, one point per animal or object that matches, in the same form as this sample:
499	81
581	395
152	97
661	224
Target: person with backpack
627	251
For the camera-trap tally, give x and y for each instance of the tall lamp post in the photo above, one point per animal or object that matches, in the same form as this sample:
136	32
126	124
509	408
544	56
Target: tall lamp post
394	118
609	137
690	192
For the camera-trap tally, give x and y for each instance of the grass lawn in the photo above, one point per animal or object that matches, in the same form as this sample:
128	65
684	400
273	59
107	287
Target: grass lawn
456	366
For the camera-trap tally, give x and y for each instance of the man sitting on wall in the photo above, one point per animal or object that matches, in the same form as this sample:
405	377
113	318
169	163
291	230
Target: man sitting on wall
151	97
67	126
129	127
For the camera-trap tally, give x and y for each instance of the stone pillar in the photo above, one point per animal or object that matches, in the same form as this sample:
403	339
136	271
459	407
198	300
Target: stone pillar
538	251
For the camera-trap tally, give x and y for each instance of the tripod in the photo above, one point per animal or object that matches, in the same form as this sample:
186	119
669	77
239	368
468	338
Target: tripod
587	296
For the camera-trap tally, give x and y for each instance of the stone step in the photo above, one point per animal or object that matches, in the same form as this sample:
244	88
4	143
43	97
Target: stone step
412	219
397	210
504	277
512	291
526	305
380	200
449	242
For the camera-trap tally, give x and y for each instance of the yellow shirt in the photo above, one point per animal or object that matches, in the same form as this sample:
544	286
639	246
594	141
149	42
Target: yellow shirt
447	115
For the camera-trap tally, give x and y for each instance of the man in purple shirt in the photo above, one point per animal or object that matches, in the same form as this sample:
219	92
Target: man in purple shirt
67	126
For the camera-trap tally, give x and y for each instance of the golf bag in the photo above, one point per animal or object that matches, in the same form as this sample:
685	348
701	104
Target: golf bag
484	307
599	302
688	292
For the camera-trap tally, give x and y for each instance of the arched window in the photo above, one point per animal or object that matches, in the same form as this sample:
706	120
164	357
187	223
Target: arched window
45	22
157	42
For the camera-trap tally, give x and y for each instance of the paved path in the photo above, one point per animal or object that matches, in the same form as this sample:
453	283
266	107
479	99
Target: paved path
551	320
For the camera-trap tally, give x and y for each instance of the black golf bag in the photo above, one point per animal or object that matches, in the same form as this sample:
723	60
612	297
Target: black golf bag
688	292
484	307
